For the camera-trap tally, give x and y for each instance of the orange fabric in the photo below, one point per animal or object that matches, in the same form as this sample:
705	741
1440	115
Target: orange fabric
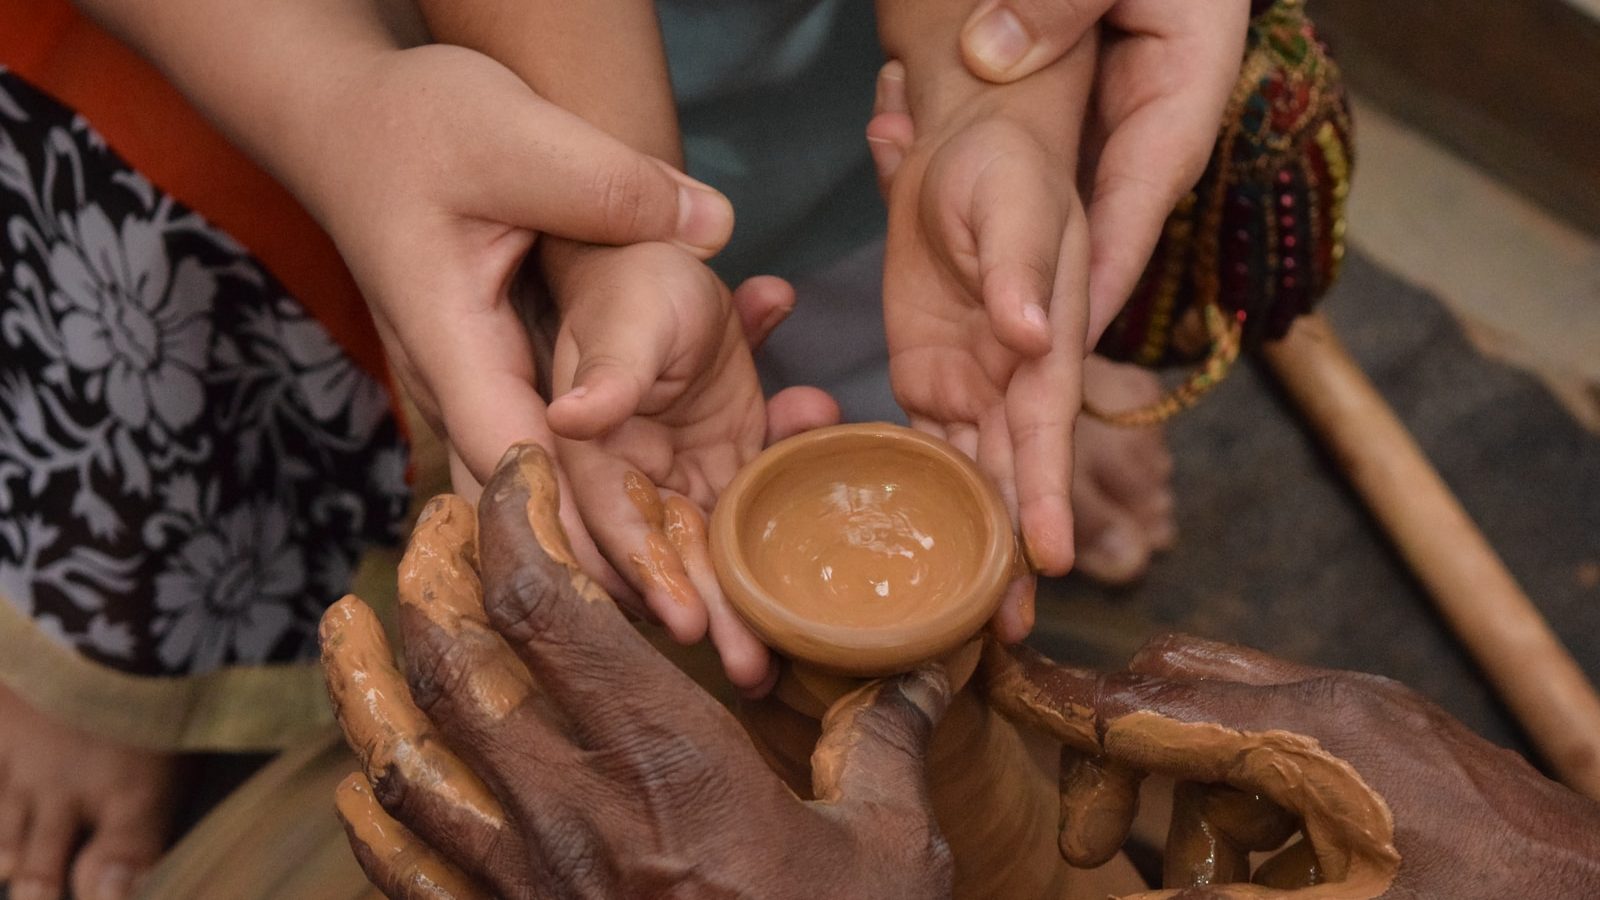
155	130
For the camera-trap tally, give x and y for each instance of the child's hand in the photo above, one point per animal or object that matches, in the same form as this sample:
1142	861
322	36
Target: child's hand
657	407
985	287
435	169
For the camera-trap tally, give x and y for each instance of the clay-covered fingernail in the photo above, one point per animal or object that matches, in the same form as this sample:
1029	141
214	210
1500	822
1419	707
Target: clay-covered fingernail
998	39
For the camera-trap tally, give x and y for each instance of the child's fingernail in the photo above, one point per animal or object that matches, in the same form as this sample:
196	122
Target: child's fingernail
998	39
1035	317
577	393
705	217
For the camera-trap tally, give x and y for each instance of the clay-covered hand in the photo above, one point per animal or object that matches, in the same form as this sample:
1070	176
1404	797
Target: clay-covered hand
538	746
1391	797
657	406
985	281
1165	71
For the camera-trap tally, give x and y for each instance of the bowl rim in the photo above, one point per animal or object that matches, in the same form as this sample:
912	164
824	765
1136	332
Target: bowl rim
855	650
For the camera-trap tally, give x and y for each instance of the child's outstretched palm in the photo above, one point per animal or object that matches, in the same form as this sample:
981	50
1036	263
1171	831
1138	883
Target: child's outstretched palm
657	407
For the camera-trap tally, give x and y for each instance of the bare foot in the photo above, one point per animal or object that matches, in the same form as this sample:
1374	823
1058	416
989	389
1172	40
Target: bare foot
1122	483
58	784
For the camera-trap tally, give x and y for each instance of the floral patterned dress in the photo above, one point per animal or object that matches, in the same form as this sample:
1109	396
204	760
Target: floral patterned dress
191	467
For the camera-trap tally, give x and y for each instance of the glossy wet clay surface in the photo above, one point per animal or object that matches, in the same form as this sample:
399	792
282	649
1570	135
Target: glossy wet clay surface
863	540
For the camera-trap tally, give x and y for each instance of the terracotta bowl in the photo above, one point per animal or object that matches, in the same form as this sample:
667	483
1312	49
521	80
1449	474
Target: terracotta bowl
863	550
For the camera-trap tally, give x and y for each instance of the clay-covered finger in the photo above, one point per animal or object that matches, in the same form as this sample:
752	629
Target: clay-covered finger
1039	693
1295	867
1098	801
746	660
1196	853
1213	732
873	749
1249	820
579	648
420	779
392	856
455	663
1224	733
1175	655
624	511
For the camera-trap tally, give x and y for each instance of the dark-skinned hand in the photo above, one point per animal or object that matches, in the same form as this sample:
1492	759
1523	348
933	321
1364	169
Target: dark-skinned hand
539	747
1396	798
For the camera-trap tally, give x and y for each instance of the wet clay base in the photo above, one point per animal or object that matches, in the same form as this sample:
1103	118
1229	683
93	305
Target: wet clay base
863	550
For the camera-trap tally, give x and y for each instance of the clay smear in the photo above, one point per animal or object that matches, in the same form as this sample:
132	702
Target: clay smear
865	546
1349	825
660	567
390	736
544	516
412	869
439	581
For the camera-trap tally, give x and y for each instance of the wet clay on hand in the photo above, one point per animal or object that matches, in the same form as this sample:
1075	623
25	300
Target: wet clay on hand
1234	785
863	549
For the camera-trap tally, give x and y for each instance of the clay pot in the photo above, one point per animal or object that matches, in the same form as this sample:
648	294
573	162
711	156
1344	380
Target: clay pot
863	550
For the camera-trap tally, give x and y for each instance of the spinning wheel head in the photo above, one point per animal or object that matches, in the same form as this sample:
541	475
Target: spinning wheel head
863	550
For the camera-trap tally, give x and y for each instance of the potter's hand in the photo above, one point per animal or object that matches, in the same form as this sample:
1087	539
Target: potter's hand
544	749
1396	798
657	406
1166	68
985	280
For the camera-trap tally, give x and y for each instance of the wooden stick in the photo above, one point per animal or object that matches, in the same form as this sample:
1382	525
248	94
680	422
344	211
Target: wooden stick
1533	673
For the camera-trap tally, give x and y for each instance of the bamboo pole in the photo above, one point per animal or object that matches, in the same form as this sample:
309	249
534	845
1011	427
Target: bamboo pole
1533	673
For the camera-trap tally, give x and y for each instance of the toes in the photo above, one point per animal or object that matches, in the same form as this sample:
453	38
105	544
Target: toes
125	844
1113	547
42	866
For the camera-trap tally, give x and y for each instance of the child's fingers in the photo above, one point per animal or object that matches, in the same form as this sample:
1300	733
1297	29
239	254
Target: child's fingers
1042	404
1159	143
891	89
891	131
762	302
797	409
745	659
625	512
605	391
1013	621
1017	219
631	314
